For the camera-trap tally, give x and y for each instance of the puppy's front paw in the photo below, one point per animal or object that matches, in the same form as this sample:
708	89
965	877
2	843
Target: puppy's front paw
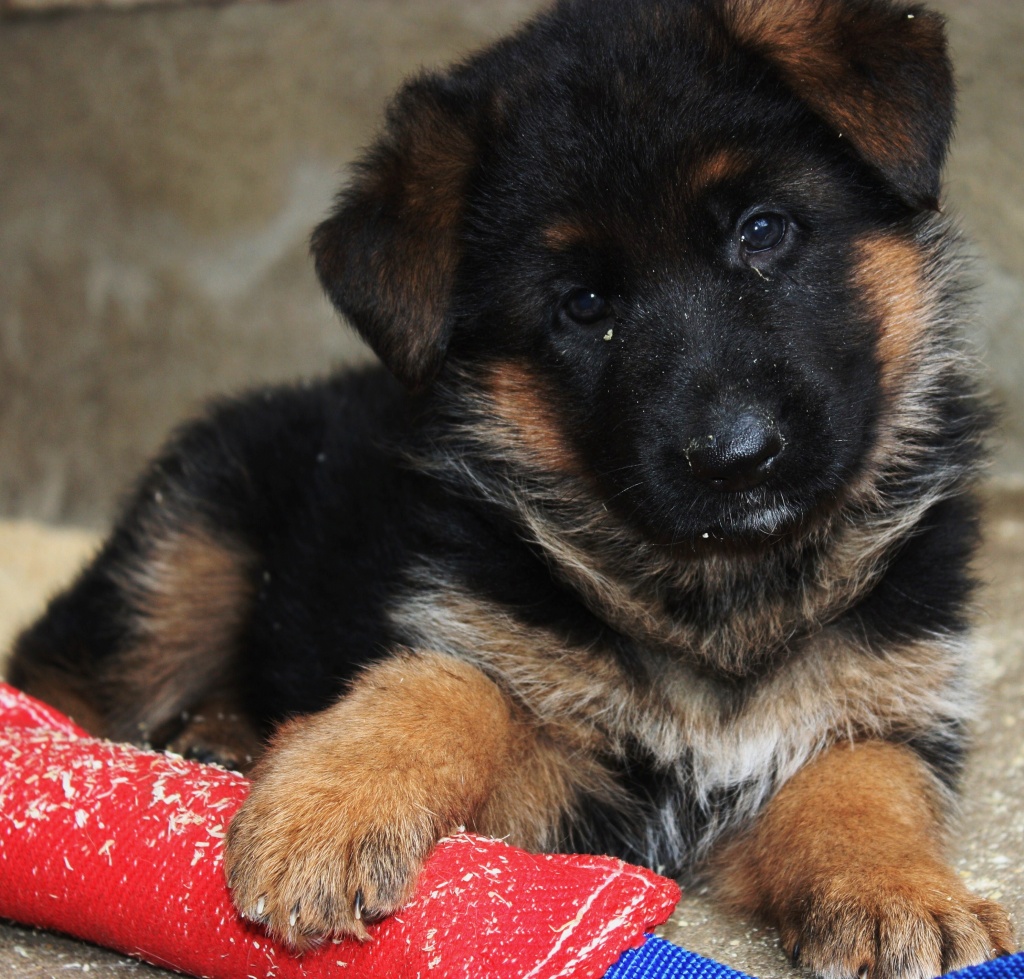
915	923
313	855
346	804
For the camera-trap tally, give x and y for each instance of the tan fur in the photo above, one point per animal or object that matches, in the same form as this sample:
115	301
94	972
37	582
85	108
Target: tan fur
919	348
348	803
814	45
437	157
535	794
560	683
530	419
190	592
724	164
889	274
828	691
563	235
846	861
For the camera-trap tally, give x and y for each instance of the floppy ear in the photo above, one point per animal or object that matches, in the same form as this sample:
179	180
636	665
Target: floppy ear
388	254
876	72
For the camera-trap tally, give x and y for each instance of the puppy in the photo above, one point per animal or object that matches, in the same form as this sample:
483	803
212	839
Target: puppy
655	539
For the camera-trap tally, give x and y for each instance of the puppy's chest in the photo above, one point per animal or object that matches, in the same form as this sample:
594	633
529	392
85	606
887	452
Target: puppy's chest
643	701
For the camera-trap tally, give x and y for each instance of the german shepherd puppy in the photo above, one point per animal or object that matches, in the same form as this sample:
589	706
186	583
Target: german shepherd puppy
654	542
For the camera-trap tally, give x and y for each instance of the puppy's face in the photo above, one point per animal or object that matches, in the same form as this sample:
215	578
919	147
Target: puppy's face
657	253
689	320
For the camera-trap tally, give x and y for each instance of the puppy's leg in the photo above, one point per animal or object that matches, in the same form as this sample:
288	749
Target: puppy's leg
347	803
846	861
218	731
148	631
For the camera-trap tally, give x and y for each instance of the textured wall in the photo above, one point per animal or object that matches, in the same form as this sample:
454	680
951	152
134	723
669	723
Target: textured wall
160	171
986	190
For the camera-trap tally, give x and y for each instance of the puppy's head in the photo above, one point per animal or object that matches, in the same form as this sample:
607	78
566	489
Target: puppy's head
676	246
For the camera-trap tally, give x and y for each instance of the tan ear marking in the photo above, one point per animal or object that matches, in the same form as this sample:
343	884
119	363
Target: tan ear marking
880	78
388	254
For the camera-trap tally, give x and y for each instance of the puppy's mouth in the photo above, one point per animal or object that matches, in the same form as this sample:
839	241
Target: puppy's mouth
749	523
750	519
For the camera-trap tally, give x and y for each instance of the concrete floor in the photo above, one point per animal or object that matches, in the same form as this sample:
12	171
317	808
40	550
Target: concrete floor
989	837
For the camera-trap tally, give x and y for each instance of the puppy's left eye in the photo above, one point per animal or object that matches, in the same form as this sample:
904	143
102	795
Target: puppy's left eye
586	307
762	231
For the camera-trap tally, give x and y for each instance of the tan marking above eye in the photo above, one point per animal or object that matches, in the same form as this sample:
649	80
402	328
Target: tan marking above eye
563	235
723	164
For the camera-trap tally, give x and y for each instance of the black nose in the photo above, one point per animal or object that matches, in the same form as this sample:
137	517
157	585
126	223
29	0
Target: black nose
738	455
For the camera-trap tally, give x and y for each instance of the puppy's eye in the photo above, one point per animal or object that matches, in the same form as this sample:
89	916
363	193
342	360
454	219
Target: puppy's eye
762	231
586	307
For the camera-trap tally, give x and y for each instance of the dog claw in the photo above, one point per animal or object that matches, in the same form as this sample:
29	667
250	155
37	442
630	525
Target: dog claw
359	906
294	916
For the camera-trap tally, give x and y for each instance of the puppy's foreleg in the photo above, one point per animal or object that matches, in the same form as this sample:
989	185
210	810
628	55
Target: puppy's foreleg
846	861
347	803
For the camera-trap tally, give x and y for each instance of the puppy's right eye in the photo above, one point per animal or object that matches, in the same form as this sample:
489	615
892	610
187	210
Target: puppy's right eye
585	307
761	232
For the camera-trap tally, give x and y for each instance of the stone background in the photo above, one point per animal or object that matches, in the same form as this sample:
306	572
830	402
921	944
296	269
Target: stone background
160	171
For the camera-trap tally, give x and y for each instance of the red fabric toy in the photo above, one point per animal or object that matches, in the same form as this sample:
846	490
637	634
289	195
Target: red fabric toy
124	848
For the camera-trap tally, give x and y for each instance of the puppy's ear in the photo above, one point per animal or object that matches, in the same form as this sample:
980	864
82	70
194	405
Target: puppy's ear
876	72
388	254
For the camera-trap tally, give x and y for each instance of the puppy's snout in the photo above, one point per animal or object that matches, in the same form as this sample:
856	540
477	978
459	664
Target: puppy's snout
738	454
